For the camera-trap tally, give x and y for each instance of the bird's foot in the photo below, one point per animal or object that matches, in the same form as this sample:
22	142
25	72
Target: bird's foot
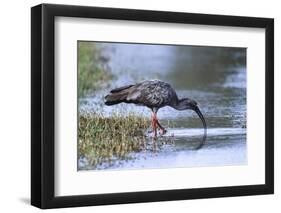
163	131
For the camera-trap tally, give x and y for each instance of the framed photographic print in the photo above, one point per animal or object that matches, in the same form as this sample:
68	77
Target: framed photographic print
140	106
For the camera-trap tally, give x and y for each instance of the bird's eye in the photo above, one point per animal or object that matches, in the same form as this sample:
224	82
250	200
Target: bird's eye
195	103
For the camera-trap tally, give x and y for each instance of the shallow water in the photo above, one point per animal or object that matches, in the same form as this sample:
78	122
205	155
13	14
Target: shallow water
214	77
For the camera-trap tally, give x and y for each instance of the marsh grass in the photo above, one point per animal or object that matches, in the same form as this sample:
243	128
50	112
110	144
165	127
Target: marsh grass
93	72
103	139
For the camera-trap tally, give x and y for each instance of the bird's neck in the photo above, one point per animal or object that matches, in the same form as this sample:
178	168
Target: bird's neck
179	105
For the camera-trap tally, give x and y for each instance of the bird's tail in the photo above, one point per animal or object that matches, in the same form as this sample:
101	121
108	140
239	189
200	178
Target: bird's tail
114	98
117	96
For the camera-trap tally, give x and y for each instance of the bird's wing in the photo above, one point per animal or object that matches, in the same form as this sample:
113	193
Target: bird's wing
144	93
134	94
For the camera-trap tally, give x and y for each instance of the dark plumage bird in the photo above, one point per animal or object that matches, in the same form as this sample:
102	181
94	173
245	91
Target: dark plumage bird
154	94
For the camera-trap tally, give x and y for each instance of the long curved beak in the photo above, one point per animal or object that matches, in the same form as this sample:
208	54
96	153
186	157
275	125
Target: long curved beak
197	110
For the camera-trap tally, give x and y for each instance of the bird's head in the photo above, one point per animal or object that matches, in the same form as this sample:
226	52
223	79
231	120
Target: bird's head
186	104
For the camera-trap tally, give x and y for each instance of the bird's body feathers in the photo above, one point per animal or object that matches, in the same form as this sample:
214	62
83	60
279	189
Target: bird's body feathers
151	93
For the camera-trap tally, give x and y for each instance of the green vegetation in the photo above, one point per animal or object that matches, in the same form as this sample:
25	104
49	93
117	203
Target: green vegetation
103	139
93	73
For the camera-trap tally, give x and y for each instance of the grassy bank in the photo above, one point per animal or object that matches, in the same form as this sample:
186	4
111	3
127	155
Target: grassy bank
93	72
103	139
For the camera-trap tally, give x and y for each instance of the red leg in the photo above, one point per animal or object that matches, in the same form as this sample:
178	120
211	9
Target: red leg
154	124
163	130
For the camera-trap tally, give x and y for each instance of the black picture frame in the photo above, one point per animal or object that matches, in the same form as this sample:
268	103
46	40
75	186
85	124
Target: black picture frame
43	102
